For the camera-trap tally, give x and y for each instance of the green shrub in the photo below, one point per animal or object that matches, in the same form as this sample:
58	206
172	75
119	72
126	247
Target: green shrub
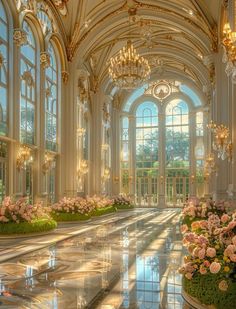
36	226
67	216
206	289
123	206
103	211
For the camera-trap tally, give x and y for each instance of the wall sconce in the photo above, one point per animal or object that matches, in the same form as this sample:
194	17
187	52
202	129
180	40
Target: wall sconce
48	162
81	131
106	174
221	142
162	179
131	179
24	156
83	169
105	147
116	179
192	179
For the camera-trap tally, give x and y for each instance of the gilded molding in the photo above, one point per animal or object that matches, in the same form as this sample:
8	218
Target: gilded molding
65	77
19	37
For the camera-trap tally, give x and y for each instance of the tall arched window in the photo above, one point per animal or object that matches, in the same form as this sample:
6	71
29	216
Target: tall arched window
51	101
146	149
4	54
177	150
28	87
125	155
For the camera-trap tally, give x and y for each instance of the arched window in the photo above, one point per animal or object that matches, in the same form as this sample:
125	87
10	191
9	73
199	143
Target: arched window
51	101
125	155
4	60
28	87
146	148
177	150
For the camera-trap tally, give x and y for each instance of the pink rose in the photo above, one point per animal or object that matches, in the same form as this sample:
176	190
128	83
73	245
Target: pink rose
206	263
195	225
215	267
234	240
202	270
184	228
233	257
211	252
201	253
229	250
223	285
224	218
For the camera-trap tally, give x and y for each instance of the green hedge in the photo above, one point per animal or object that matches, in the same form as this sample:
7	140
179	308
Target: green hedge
67	216
123	206
36	226
103	211
205	289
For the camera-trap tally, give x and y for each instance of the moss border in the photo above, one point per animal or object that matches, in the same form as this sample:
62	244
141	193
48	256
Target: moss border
103	211
36	226
205	288
67	216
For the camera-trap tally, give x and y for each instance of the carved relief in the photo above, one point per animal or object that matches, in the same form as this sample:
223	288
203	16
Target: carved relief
44	60
20	37
22	5
28	78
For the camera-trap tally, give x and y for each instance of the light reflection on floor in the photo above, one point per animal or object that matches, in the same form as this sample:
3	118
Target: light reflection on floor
122	263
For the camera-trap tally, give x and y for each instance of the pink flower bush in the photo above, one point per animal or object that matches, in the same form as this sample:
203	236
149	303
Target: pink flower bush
122	200
81	205
210	241
200	210
21	211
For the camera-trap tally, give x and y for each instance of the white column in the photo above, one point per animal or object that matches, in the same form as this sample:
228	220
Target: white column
221	116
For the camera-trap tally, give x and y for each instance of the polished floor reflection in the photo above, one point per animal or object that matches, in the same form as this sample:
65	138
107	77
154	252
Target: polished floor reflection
122	262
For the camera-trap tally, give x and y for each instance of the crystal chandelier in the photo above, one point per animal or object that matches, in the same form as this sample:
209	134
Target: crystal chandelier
128	69
221	142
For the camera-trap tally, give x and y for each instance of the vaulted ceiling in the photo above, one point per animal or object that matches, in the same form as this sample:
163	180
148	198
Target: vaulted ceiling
176	36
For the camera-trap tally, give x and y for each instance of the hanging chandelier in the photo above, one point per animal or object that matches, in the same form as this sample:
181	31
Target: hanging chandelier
128	69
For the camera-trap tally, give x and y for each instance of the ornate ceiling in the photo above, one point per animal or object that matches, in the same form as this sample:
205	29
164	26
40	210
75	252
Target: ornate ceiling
176	36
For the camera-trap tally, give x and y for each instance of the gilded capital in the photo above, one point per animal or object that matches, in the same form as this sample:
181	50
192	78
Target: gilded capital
20	37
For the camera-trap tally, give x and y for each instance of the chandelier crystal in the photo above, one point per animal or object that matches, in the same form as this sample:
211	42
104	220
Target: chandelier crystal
128	69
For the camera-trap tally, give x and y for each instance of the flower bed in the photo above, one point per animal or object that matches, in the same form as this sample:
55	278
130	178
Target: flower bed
35	226
209	270
122	202
20	218
77	209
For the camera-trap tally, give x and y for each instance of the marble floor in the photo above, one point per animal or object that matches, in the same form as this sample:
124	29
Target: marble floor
125	260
